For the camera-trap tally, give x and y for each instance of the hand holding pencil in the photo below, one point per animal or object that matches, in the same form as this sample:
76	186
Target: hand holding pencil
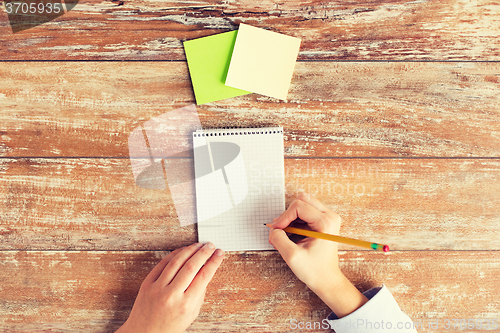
335	238
314	261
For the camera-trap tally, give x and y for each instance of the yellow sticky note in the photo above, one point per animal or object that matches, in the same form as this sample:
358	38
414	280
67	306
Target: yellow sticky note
262	61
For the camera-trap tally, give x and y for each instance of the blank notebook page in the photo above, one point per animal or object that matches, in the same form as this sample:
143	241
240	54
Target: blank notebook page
239	185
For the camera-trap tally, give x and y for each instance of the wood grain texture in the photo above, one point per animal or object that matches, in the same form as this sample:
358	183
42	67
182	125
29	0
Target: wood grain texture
363	109
94	204
406	151
338	30
94	291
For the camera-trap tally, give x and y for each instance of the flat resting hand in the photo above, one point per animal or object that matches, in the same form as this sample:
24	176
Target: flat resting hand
170	297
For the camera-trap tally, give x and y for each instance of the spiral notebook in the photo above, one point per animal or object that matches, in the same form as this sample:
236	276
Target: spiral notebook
240	185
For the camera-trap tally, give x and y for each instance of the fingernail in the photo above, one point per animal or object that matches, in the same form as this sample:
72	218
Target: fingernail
198	245
210	246
220	253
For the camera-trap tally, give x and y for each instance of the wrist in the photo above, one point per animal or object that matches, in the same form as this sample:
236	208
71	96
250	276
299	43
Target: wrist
124	328
341	296
330	282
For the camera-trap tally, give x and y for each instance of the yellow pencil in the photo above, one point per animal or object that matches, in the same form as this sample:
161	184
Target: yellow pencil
335	238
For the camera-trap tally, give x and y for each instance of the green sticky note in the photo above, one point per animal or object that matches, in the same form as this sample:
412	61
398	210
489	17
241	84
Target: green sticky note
208	60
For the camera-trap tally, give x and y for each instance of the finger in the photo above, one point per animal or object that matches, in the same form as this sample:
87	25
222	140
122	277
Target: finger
283	244
176	263
156	271
310	199
313	201
304	211
188	272
205	275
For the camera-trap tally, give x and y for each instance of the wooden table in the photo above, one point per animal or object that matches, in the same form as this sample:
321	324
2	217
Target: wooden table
392	120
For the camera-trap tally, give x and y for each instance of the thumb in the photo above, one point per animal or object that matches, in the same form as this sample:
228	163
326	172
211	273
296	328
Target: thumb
282	243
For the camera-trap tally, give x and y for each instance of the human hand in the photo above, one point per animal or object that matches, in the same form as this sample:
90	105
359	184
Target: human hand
170	297
312	260
315	261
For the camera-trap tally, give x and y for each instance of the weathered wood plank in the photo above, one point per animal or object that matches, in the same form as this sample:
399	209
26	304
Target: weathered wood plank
94	204
377	30
334	109
94	291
